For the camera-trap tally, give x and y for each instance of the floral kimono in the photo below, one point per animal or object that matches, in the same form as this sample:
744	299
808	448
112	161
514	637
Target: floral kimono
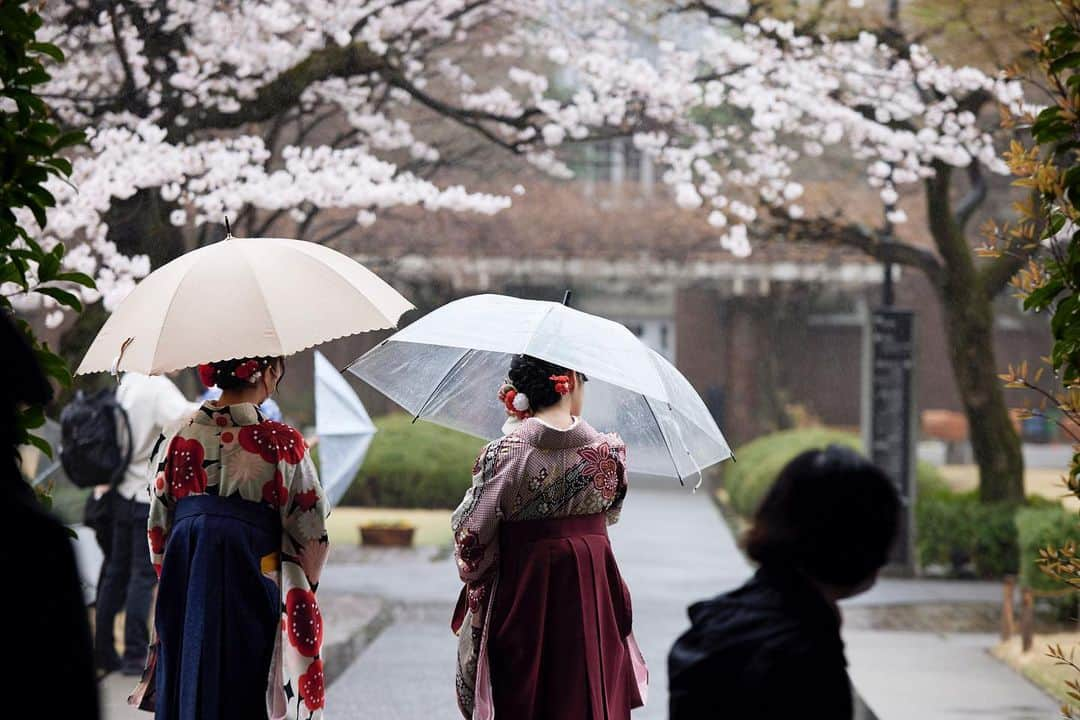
544	605
237	533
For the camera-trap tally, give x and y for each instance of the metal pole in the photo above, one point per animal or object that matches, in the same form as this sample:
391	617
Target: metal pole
887	294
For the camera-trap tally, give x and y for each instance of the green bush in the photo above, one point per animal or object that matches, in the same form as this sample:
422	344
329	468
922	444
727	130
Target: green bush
958	532
1042	527
759	462
419	465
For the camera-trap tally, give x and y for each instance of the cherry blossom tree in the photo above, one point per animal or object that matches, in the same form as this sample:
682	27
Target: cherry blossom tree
315	117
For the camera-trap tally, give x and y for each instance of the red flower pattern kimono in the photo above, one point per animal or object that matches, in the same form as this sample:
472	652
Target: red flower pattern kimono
233	451
536	472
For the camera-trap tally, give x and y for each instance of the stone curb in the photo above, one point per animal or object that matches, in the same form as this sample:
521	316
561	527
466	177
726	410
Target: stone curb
340	655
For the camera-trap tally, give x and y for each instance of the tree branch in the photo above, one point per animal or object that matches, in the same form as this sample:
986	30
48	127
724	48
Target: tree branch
974	198
830	231
285	90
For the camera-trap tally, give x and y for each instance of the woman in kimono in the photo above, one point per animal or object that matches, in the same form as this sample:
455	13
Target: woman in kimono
544	619
237	534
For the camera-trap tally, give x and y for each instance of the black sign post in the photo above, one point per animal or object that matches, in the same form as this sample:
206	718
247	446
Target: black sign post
891	408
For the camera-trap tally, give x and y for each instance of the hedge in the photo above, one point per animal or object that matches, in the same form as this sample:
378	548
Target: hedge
409	465
1039	528
953	530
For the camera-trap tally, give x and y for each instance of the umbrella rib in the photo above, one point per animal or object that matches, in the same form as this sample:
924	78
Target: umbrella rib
666	443
441	385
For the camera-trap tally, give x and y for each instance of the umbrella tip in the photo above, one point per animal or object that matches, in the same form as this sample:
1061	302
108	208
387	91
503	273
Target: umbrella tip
228	230
566	297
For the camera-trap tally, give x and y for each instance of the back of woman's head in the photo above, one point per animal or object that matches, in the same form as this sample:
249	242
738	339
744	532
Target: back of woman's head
532	376
831	513
239	373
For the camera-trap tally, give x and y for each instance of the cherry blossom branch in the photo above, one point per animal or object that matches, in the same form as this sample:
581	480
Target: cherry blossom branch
822	230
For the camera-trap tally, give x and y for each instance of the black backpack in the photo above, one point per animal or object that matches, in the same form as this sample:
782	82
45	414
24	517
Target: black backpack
95	440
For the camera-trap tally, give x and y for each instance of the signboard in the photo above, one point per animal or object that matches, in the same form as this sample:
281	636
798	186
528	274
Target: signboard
891	432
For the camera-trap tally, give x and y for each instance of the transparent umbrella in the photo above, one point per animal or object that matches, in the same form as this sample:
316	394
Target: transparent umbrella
344	429
447	367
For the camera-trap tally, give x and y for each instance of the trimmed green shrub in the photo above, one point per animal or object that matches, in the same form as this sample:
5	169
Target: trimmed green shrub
1040	528
419	465
956	531
759	462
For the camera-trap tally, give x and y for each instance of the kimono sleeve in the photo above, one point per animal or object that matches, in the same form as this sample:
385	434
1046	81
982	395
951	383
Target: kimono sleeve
475	523
160	521
304	547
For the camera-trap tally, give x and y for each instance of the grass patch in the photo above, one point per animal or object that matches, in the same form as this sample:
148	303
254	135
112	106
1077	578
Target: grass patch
432	526
1037	667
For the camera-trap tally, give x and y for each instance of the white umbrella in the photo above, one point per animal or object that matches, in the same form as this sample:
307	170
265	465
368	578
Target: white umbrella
447	368
242	297
344	429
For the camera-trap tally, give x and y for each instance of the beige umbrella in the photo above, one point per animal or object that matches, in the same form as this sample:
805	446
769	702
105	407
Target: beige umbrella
242	297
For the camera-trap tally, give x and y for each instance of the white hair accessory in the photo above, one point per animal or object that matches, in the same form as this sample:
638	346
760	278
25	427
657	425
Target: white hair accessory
521	402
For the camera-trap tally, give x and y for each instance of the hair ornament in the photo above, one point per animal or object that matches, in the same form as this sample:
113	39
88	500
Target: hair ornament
248	370
563	384
516	403
206	375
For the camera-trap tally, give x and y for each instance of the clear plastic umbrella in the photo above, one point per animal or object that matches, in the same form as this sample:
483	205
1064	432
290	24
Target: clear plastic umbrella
344	428
447	367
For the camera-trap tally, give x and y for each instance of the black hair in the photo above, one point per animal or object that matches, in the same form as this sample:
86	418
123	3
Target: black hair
831	513
24	384
224	371
532	376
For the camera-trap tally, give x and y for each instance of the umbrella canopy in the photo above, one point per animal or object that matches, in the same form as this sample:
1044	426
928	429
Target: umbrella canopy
242	297
344	428
447	368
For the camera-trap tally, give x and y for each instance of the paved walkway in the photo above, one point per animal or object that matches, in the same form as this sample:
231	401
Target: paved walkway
672	547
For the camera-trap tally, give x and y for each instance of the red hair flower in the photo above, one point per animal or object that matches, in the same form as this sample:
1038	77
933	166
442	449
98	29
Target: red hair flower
206	374
517	404
563	384
246	369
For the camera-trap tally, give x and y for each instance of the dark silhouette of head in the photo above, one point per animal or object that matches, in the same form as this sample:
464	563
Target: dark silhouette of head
24	384
831	514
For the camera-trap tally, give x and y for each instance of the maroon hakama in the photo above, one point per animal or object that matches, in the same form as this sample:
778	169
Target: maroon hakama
560	642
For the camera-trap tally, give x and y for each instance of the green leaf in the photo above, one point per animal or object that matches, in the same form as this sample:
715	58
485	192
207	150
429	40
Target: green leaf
53	365
59	163
48	267
33	417
69	139
47	49
62	296
1066	61
77	278
41	444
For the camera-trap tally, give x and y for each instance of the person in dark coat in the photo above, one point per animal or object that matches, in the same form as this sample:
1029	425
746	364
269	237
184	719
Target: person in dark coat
48	630
772	648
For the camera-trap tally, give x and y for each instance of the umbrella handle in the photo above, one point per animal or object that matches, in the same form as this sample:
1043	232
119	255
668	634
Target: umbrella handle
115	371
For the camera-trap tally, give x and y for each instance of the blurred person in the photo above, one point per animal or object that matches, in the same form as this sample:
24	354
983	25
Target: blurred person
151	403
48	629
237	533
544	619
772	648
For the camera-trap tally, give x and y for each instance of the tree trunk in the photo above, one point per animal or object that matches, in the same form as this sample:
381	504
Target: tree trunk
969	320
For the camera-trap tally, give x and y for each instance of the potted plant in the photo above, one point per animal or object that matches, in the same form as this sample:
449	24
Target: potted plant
394	533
